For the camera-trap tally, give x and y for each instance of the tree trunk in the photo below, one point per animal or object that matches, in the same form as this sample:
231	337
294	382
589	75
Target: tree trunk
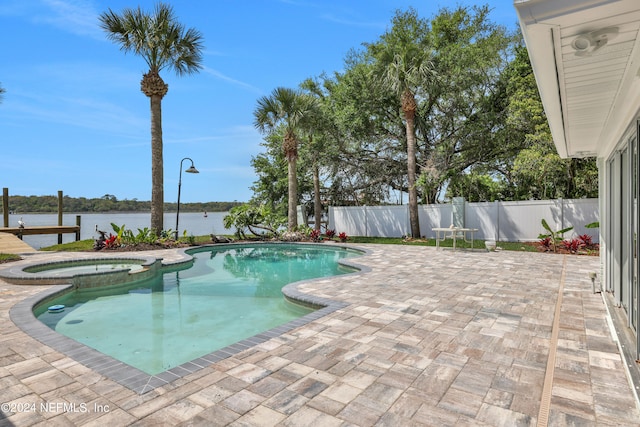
157	175
317	202
155	88
293	194
409	107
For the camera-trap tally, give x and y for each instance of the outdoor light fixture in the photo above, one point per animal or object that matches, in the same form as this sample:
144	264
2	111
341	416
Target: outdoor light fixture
191	169
587	43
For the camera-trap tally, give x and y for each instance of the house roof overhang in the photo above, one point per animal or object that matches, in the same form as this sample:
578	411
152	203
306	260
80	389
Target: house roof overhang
586	59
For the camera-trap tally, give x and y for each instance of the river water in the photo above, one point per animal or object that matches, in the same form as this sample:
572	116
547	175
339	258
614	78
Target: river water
197	224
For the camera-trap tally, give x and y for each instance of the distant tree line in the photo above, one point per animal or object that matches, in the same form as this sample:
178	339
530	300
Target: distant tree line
106	203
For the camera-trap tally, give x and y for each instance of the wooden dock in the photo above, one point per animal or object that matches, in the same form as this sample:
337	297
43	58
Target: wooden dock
11	237
42	229
10	244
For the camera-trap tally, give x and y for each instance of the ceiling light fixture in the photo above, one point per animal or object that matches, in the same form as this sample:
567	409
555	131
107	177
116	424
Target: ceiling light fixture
587	43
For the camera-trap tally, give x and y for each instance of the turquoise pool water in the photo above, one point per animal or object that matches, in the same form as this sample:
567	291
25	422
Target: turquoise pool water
228	294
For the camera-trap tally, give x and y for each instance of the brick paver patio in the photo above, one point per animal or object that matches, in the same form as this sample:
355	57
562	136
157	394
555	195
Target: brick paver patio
427	338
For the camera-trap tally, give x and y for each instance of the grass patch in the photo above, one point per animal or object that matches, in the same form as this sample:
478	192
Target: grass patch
80	245
9	257
87	245
518	246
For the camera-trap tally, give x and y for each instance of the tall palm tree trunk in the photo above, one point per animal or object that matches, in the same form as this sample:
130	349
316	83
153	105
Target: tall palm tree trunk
414	218
155	88
409	106
293	194
317	202
157	173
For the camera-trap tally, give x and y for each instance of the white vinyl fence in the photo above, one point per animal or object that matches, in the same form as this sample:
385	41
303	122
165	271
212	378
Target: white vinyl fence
503	221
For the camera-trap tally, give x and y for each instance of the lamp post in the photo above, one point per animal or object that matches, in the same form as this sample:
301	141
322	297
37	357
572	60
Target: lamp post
191	169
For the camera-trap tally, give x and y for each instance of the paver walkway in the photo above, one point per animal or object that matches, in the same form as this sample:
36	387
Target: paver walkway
429	338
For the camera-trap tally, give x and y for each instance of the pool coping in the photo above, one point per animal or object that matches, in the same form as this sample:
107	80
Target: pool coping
140	382
18	275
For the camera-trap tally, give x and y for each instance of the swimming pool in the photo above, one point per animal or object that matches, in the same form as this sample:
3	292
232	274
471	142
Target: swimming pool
228	294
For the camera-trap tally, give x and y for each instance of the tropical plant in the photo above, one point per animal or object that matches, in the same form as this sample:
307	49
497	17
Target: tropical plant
556	237
343	236
163	43
255	219
315	236
573	245
119	230
546	244
586	239
111	241
287	109
145	235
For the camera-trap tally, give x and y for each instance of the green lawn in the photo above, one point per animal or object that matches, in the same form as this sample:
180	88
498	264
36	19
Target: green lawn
87	245
8	257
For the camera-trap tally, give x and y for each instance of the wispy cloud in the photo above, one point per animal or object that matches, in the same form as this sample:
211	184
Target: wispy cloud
77	112
217	74
343	8
300	3
353	23
245	138
78	17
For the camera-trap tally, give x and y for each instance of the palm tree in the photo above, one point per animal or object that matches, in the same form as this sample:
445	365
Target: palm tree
285	110
163	43
403	66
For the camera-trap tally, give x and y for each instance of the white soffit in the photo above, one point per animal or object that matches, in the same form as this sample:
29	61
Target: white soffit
582	53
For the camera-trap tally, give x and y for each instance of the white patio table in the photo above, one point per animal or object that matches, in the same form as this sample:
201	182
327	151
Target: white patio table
454	233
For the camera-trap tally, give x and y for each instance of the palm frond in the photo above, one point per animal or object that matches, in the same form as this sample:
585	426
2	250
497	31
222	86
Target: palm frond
158	38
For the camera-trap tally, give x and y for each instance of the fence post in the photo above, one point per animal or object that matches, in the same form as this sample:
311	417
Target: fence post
366	222
78	224
59	215
497	232
5	206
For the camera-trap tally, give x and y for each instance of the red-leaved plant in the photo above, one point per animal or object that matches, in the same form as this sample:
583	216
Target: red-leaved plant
573	245
546	244
315	235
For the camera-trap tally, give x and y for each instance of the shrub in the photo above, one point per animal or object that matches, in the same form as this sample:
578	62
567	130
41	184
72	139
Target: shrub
555	236
573	245
315	235
546	244
586	239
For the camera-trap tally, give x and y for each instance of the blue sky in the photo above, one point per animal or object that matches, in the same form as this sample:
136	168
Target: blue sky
73	117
